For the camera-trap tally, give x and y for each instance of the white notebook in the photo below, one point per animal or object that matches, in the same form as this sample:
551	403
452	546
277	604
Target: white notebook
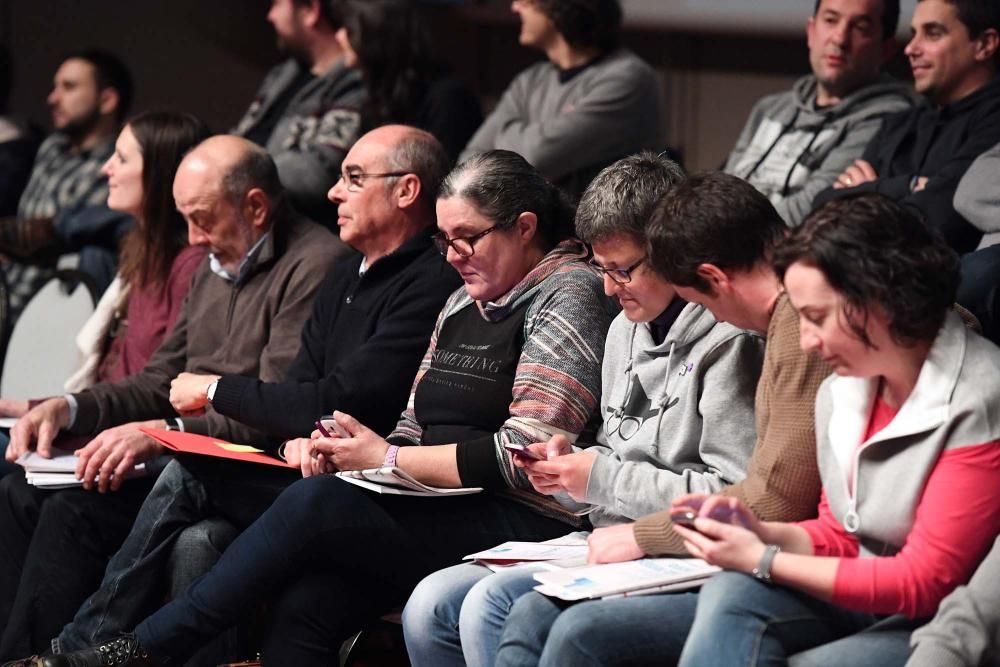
397	482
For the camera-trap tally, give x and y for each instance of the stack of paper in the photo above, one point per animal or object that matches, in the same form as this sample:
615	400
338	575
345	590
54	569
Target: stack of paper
637	577
58	472
561	552
394	481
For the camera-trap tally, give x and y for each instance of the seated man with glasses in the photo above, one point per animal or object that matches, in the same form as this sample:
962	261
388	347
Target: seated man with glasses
360	348
677	406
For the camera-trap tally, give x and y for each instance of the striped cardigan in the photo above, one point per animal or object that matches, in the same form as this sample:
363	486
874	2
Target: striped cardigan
558	378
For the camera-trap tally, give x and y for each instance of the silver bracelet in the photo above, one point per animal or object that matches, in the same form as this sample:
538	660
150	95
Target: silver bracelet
763	569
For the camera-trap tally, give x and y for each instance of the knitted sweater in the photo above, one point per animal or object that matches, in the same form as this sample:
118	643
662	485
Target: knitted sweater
557	380
782	482
250	328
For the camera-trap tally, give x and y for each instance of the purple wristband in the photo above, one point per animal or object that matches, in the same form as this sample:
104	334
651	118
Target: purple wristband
390	457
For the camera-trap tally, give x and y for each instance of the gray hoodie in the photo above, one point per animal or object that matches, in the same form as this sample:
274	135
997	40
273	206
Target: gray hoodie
978	195
678	417
791	149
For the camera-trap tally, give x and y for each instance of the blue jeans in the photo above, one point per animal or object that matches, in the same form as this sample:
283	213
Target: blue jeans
743	621
133	582
455	616
150	560
646	629
329	557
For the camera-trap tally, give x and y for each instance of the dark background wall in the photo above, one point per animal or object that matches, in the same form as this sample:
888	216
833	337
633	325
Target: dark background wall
207	56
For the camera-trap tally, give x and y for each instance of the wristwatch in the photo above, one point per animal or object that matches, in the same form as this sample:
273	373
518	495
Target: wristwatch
210	390
763	569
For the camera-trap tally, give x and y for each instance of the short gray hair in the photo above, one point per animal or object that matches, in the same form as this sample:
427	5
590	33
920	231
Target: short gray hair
421	154
621	198
253	169
502	185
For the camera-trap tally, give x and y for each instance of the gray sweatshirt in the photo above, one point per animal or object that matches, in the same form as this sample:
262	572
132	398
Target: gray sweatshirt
570	129
791	149
977	198
678	417
965	632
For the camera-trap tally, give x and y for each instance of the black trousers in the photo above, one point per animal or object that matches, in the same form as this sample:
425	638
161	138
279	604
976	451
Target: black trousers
54	546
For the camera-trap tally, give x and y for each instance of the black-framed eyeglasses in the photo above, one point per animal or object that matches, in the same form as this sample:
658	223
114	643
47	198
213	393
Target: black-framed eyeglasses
356	179
620	276
463	245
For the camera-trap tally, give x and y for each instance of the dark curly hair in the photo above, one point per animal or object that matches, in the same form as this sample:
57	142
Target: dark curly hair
585	23
877	254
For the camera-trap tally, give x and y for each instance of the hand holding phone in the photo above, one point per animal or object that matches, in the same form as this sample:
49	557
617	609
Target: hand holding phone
684	516
522	452
329	427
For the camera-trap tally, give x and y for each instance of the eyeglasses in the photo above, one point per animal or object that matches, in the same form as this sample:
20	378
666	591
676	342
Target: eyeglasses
463	245
620	276
356	179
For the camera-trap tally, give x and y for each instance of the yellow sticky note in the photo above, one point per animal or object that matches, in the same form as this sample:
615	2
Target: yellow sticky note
239	449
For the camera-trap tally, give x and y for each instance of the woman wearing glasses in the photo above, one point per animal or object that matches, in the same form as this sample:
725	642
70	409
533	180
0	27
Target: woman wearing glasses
677	405
515	358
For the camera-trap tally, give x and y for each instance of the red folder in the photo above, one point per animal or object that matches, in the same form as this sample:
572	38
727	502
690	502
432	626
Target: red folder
192	443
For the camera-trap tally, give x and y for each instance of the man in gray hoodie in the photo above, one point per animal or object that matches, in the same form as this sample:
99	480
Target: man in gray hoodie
796	143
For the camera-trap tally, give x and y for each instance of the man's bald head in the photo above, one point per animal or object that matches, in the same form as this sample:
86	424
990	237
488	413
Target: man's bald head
227	189
416	151
236	165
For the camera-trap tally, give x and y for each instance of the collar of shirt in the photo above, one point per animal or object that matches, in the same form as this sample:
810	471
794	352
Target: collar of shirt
245	266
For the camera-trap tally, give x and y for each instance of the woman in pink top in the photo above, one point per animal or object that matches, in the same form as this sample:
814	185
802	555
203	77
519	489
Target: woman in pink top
908	438
155	262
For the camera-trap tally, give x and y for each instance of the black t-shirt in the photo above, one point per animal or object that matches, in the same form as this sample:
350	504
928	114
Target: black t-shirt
466	393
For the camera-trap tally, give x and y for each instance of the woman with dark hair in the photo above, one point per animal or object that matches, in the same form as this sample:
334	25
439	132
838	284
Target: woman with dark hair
155	265
135	314
514	358
908	438
388	42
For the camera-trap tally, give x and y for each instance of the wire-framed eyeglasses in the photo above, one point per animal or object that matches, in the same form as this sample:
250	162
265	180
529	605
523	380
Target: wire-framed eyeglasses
620	276
356	179
465	246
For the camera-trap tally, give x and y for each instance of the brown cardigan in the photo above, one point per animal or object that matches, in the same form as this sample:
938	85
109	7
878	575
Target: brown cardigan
782	482
251	329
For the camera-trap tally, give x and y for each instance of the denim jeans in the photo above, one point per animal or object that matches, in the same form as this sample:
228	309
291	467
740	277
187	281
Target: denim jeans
136	581
455	615
329	556
743	621
53	551
641	630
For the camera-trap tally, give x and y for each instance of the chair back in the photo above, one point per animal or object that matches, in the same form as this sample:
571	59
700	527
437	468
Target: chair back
41	351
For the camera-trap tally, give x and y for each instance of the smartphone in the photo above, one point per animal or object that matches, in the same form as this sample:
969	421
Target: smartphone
684	516
522	452
328	426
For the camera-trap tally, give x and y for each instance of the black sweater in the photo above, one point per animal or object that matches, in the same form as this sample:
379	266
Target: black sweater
939	143
360	347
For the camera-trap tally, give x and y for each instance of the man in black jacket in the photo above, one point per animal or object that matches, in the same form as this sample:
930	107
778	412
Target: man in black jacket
919	156
360	350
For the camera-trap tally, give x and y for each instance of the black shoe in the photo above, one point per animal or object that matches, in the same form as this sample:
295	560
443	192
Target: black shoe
121	652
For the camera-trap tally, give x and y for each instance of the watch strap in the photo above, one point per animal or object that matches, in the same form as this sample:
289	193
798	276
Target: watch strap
763	569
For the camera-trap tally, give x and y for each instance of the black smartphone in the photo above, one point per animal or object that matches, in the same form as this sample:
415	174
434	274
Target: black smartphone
684	516
523	452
